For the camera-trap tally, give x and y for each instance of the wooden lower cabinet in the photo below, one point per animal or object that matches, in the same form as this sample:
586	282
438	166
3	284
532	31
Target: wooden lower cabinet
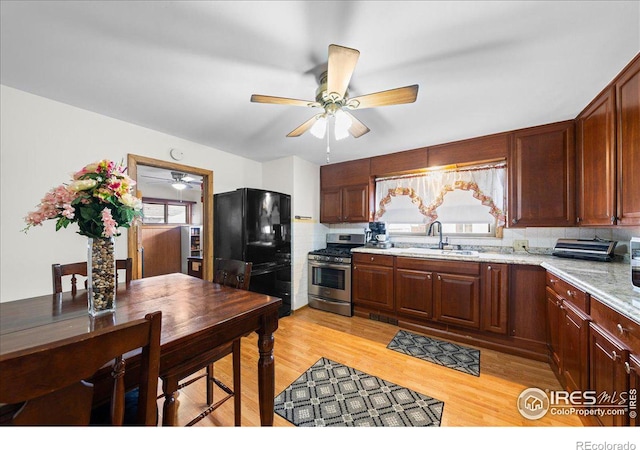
414	293
607	371
495	297
372	283
468	301
456	299
574	338
553	330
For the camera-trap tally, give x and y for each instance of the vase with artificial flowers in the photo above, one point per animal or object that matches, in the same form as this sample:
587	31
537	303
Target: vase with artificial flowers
99	199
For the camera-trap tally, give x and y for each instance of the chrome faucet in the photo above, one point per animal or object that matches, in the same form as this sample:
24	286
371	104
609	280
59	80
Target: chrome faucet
440	244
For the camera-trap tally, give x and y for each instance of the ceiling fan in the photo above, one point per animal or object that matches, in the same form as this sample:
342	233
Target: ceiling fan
332	96
179	180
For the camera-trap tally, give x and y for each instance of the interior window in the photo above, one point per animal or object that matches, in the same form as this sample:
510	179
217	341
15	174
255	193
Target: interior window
467	201
162	211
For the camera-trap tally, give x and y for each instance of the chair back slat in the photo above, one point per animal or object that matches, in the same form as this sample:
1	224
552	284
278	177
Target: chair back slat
80	269
231	272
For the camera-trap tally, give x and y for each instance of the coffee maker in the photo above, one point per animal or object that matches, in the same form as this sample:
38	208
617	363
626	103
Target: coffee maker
377	235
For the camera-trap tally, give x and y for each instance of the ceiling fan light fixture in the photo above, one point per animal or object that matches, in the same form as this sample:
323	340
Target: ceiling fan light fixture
319	128
179	185
342	124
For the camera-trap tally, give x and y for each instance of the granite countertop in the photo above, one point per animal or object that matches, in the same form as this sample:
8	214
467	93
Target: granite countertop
609	282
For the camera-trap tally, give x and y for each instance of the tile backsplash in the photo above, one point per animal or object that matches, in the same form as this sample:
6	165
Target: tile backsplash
540	240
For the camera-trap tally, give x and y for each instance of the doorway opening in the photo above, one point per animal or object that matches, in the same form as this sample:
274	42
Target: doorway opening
134	241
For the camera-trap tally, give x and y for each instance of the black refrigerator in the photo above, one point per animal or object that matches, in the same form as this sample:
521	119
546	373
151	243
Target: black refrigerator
255	225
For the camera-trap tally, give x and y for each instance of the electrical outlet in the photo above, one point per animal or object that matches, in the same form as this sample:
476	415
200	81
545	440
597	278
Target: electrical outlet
521	245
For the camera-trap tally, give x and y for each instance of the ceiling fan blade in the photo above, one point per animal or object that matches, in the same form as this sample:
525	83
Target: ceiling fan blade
304	127
341	64
357	128
407	94
281	100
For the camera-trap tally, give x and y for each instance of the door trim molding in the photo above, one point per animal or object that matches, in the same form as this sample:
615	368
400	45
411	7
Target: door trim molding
133	234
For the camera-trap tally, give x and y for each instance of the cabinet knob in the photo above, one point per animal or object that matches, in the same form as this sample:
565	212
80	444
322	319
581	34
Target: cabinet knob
514	220
428	277
488	267
615	355
621	329
571	293
372	258
578	219
627	368
439	277
613	219
551	280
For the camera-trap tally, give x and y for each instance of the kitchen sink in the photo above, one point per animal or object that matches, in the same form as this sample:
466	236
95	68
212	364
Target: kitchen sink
437	251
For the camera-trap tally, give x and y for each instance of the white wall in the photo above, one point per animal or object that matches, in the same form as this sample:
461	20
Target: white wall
300	179
42	142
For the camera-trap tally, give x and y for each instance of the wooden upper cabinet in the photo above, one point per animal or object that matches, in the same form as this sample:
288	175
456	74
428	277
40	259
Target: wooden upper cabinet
596	161
485	148
541	167
345	174
628	144
345	192
399	162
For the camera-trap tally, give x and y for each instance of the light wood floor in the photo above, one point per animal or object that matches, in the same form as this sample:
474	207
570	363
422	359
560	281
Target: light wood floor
309	334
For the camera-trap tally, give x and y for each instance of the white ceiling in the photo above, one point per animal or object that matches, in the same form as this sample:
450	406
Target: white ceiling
188	68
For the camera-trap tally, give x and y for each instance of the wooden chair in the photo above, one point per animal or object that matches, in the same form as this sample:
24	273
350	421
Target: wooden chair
236	274
80	269
49	380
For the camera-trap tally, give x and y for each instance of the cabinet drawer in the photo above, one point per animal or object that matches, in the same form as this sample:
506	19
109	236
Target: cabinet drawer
441	266
624	329
370	258
568	292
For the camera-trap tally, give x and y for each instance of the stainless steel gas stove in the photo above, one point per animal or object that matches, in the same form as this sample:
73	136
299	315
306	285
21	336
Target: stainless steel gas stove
330	274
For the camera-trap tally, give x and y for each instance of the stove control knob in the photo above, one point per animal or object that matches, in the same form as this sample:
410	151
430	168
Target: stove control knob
339	259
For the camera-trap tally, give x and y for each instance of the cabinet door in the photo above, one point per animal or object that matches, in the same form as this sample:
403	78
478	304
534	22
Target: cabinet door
414	293
553	329
634	385
575	348
457	300
607	375
542	177
628	141
372	286
596	162
331	206
495	297
355	204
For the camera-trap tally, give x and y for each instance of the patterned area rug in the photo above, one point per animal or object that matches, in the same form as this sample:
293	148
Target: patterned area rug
439	352
332	394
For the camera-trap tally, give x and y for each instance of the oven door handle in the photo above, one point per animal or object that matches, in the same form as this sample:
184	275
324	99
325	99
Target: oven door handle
329	265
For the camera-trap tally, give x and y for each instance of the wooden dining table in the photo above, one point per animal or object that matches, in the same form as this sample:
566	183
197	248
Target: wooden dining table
197	315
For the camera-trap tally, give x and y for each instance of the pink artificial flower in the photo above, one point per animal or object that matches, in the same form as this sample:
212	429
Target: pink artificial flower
68	211
110	225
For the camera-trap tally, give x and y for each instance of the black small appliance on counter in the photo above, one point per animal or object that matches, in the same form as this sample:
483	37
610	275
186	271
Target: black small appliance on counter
589	249
255	225
377	236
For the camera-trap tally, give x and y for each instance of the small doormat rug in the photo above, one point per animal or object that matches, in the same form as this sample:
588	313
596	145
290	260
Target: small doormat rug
332	394
439	352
